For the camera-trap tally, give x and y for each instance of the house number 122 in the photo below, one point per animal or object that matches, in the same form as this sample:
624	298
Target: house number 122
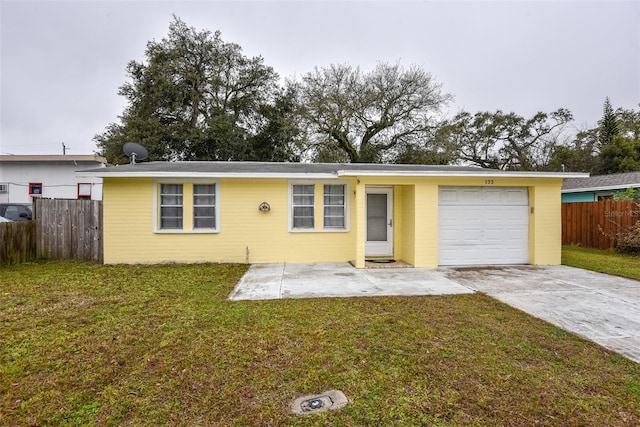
488	181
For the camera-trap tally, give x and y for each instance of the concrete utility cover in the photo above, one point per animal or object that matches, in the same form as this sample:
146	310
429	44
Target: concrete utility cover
329	400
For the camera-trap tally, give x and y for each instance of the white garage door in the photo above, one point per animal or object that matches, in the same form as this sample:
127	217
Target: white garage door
483	225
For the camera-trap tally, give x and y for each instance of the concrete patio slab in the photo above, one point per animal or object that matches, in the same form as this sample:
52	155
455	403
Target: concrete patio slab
262	281
274	281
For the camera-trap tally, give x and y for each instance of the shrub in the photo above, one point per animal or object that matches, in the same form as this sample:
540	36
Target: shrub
628	194
629	241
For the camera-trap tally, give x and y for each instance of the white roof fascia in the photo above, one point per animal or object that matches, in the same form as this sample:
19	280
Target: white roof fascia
500	174
106	173
206	175
52	158
604	188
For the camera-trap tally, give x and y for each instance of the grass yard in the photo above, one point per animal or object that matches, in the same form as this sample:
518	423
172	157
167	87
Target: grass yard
602	261
85	344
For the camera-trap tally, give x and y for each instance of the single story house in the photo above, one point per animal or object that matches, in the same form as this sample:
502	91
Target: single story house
598	187
250	212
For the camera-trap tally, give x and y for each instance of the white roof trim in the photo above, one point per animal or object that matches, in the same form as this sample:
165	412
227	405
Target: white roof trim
483	173
602	188
52	158
206	175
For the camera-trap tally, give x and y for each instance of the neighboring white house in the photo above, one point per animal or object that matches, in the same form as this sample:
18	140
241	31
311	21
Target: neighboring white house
23	177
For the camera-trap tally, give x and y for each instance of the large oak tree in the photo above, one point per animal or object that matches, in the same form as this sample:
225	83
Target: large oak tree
197	97
501	140
356	116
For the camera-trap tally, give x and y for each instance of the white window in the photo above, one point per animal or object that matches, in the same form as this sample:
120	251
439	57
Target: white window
84	190
204	206
35	189
334	206
181	206
303	206
171	206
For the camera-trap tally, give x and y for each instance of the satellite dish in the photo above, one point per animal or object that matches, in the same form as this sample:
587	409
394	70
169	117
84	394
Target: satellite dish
135	151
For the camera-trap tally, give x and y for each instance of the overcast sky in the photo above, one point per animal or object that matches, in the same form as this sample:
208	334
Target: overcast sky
63	61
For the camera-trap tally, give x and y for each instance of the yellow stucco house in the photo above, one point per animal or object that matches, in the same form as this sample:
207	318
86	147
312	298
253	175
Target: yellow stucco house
249	212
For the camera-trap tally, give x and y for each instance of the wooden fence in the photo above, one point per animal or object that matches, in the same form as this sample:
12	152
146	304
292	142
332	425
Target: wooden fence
68	229
17	242
597	224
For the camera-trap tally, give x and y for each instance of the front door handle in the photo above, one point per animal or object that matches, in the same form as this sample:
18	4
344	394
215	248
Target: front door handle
390	222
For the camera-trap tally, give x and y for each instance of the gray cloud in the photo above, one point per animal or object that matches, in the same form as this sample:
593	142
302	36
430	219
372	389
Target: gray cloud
62	62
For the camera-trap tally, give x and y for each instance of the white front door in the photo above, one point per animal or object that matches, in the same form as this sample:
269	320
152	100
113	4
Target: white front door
379	221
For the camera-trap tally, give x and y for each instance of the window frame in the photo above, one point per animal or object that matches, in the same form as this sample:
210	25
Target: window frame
343	206
35	189
293	207
187	206
194	206
603	195
181	206
81	187
316	228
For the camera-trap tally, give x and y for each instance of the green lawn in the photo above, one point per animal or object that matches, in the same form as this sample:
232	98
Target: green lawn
83	344
603	261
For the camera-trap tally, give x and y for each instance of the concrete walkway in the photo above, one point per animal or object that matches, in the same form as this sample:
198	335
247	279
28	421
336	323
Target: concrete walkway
599	307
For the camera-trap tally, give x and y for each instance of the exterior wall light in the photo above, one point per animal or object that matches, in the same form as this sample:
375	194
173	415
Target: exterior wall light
264	207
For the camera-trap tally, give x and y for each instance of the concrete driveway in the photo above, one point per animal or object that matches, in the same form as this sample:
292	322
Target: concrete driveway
602	308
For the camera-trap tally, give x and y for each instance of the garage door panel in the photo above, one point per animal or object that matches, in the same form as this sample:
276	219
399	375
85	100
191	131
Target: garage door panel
495	237
483	225
457	197
493	255
449	236
505	213
473	253
448	196
482	255
518	196
504	196
493	196
451	216
462	237
448	254
471	214
470	196
470	236
509	237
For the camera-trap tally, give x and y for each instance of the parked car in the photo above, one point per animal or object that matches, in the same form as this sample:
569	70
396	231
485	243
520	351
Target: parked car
15	211
3	219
